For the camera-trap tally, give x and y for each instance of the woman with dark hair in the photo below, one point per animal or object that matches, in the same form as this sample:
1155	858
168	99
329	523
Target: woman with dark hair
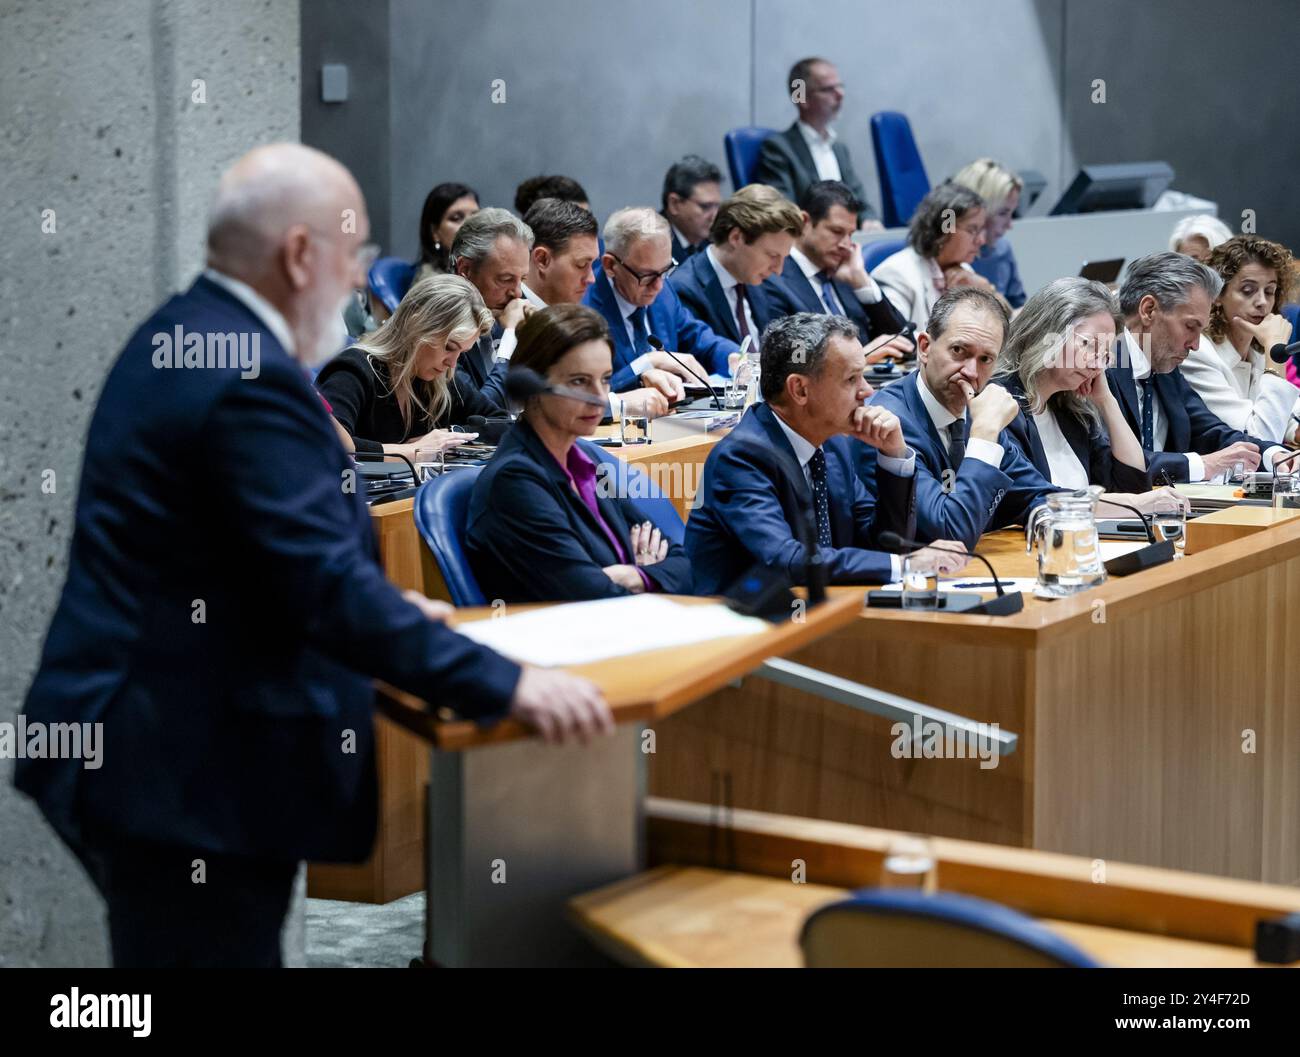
1230	369
543	526
446	208
945	235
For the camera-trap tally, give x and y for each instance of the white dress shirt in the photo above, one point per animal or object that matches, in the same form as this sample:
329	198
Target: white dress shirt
506	348
976	447
729	283
267	313
1159	427
1067	470
804	450
1242	392
867	295
822	148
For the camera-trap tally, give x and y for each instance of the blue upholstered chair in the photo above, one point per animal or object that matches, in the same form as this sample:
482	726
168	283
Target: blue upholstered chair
904	928
742	146
875	252
903	182
389	279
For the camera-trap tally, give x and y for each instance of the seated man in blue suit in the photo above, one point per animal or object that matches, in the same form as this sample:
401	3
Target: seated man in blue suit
224	615
824	273
808	428
748	243
636	301
971	477
1165	301
691	197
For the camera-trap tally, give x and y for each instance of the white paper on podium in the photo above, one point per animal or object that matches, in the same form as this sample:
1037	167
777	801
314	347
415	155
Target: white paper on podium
582	632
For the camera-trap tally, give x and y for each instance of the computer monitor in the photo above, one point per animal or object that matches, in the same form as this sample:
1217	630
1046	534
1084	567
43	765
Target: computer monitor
1132	185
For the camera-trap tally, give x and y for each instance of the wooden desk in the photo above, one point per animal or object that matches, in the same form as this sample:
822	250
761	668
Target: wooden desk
686	912
1232	523
1133	703
396	868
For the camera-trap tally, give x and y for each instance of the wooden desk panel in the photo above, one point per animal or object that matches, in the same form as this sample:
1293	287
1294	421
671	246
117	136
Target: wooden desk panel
1231	523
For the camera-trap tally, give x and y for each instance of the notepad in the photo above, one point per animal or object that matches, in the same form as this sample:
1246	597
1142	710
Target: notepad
583	632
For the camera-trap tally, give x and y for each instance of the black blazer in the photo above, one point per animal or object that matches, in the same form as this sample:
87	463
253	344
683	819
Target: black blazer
700	290
479	368
529	538
222	722
786	163
794	292
1192	425
1088	440
357	389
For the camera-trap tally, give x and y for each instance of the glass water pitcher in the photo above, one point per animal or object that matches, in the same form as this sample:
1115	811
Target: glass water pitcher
1069	552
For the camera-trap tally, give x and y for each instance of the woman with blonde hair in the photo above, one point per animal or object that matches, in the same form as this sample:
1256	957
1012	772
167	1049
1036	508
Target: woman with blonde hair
1230	369
1000	188
396	390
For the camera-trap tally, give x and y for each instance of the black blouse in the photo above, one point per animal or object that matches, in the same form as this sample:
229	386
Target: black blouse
357	388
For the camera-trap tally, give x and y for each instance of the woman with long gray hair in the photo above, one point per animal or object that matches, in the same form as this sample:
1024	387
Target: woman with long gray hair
1070	425
396	389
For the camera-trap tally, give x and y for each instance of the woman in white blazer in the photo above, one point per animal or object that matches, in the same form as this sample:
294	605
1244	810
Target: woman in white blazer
1230	369
945	235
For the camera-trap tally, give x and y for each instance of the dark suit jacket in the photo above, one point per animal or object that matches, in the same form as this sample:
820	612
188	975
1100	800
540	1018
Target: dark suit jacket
479	367
681	251
794	292
1088	441
1192	425
978	498
361	398
698	286
786	163
668	321
529	538
741	518
224	615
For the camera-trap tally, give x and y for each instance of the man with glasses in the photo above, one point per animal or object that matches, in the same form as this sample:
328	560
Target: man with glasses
808	150
691	199
638	304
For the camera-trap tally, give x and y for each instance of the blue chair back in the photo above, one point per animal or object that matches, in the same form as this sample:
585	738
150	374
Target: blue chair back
742	146
905	928
389	279
875	252
441	513
903	182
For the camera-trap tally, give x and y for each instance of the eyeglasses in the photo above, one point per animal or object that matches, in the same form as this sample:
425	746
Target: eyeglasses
837	87
644	279
705	207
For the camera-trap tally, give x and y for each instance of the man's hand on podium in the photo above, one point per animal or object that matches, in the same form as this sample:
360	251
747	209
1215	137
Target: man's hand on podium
560	706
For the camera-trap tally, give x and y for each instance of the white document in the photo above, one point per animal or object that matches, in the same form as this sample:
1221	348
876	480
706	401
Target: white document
582	632
979	584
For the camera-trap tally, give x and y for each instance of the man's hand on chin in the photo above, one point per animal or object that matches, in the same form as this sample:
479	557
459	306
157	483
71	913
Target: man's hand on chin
881	429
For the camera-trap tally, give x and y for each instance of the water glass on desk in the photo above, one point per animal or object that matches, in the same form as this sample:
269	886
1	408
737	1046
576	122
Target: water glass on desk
920	584
1286	491
1169	522
909	863
429	462
634	429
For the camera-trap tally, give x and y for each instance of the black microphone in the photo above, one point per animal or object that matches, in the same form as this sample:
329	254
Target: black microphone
782	468
489	430
1004	605
658	346
1280	353
1147	557
523	383
1146	521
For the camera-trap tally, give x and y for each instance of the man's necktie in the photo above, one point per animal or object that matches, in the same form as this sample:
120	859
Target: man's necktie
828	295
641	342
741	323
957	442
821	497
1148	416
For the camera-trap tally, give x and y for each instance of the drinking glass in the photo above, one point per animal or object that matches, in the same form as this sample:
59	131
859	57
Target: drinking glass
920	584
1169	522
429	462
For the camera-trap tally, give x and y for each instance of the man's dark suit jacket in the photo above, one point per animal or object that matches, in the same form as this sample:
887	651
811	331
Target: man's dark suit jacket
794	292
964	504
224	615
700	290
478	365
1088	440
742	518
786	163
529	538
1192	425
681	251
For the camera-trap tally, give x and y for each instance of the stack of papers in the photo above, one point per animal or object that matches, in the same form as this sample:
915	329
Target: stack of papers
582	632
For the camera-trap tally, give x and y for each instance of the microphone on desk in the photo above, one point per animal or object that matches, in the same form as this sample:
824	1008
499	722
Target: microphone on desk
522	383
489	430
1147	557
1003	605
658	346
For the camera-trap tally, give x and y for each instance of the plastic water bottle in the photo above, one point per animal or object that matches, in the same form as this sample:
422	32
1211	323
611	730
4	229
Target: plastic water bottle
754	394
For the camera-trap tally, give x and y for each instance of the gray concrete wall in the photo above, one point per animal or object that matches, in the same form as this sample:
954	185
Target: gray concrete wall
103	126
